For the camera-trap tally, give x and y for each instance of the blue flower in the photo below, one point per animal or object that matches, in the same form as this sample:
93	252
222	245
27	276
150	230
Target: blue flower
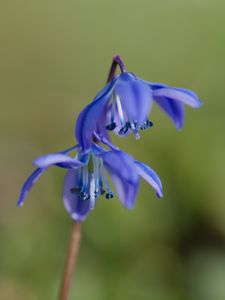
124	104
86	179
59	159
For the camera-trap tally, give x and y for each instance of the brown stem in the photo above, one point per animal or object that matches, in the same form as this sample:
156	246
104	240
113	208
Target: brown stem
70	265
117	61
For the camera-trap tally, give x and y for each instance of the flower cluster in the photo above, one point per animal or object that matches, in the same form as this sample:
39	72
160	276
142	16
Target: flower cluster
122	106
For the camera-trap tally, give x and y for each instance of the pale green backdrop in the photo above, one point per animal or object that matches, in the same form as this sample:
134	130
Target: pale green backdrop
54	57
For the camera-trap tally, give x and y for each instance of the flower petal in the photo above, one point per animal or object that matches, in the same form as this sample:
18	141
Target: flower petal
74	204
121	169
150	176
87	121
98	150
155	85
101	124
135	96
127	191
69	149
173	108
29	183
57	159
184	96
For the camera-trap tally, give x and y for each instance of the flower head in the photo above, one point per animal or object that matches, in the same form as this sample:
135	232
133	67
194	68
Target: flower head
86	179
124	104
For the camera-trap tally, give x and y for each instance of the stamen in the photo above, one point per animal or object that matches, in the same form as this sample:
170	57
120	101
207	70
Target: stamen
146	125
84	195
92	192
120	110
109	193
134	127
149	123
96	175
124	129
111	126
102	191
136	134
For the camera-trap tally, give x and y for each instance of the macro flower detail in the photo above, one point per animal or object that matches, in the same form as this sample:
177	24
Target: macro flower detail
59	159
95	167
124	104
86	179
83	186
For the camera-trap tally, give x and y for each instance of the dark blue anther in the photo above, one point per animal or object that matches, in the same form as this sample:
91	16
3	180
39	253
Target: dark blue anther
149	123
102	192
146	125
133	125
84	196
124	129
75	190
109	195
111	126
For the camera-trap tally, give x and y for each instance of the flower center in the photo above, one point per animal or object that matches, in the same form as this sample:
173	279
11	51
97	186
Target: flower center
92	180
120	118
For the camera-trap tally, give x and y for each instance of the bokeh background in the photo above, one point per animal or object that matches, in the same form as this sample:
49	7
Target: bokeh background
54	57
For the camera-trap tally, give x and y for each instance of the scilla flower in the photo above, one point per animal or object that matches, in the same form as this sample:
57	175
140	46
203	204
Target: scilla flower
86	179
124	104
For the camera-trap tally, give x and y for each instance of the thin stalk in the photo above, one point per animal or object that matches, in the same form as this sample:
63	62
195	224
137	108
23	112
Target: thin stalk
70	265
117	61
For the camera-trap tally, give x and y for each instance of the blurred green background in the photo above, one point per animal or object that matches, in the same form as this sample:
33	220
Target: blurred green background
54	57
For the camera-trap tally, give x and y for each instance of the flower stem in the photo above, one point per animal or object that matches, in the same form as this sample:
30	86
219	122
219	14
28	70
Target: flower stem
117	61
70	265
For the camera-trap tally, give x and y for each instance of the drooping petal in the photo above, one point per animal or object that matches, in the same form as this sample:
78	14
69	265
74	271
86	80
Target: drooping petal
74	204
87	121
150	176
173	108
155	85
182	95
29	183
127	191
121	169
69	149
135	96
101	124
57	159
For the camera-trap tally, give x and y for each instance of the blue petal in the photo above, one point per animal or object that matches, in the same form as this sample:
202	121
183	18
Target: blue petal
29	183
87	121
121	169
97	150
77	208
184	96
101	124
69	149
155	85
57	159
174	109
150	176
135	96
